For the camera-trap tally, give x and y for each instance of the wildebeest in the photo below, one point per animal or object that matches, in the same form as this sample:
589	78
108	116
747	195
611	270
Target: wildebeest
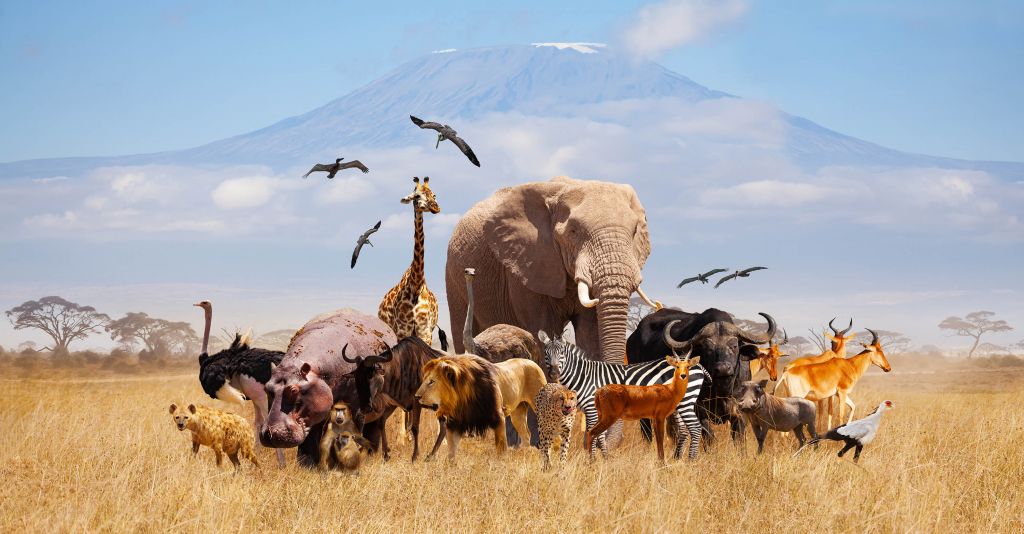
389	381
767	412
722	347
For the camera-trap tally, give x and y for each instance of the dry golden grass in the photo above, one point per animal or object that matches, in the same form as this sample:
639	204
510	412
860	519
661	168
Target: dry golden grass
104	456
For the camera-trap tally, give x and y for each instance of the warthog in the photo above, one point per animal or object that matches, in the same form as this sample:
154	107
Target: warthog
765	411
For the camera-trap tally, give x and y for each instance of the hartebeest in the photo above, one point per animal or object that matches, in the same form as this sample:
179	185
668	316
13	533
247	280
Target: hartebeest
631	403
768	358
837	350
819	381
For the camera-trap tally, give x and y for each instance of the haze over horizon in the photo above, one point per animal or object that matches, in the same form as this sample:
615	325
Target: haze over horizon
847	227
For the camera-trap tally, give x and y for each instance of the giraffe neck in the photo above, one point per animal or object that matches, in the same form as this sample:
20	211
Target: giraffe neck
416	269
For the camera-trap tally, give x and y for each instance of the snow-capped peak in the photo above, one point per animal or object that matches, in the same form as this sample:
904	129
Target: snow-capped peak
443	51
583	48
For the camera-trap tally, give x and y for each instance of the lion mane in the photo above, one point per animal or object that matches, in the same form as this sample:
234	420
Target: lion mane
467	391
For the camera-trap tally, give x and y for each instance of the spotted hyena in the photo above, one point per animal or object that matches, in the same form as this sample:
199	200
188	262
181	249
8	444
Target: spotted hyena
225	433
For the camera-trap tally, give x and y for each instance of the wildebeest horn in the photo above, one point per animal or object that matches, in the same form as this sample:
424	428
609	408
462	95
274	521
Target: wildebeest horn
673	344
759	338
384	357
345	357
874	336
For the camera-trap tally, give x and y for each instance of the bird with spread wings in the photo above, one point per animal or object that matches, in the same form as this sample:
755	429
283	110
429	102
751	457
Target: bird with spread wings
332	168
703	278
738	274
447	132
363	240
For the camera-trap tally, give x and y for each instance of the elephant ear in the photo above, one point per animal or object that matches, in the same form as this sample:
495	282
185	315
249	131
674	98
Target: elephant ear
520	235
641	238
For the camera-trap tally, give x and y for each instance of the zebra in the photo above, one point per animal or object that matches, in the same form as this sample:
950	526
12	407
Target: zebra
577	372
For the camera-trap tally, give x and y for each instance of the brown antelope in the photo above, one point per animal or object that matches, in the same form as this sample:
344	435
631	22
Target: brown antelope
819	381
768	358
631	403
837	350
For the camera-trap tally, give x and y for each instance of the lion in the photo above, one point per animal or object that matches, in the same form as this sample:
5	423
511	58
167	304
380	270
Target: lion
473	395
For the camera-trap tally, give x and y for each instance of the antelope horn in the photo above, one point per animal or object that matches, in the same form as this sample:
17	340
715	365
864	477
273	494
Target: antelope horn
843	333
834	331
785	337
759	338
583	292
673	344
345	357
874	336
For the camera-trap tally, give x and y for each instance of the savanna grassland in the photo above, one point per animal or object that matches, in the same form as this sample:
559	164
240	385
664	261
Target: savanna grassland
101	454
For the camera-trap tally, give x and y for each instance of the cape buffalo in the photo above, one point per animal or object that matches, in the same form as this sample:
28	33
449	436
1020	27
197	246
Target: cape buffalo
723	347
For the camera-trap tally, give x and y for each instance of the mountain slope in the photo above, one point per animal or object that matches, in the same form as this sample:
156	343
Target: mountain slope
541	80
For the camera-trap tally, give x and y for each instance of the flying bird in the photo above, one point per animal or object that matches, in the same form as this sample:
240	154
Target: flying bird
857	433
703	278
449	133
332	168
363	240
741	274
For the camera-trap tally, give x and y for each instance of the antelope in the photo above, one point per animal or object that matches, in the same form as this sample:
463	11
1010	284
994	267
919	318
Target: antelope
768	358
837	350
631	403
819	381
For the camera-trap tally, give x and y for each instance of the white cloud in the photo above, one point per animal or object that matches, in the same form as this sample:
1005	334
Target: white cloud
52	221
346	190
770	193
660	27
137	187
240	193
442	224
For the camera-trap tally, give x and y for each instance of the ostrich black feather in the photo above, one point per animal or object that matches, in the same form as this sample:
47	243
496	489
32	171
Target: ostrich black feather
237	359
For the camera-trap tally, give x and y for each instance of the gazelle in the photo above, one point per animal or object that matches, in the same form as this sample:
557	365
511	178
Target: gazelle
819	381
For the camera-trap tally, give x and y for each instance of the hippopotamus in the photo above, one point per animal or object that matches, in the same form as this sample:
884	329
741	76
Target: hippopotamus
313	375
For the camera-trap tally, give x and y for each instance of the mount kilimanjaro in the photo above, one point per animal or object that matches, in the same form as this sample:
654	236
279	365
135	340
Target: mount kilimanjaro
545	79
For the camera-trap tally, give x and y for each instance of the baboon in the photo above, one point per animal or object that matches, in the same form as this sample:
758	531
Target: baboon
348	451
341	419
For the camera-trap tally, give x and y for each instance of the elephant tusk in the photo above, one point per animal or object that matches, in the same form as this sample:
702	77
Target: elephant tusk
584	294
654	304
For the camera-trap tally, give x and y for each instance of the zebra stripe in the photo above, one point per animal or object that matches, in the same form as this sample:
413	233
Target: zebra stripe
585	376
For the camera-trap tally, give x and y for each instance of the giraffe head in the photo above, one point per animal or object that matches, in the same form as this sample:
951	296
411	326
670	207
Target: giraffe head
422	197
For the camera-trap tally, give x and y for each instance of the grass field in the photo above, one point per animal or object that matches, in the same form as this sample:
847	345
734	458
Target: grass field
103	455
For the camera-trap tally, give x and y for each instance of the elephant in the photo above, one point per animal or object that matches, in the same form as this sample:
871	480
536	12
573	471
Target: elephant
551	253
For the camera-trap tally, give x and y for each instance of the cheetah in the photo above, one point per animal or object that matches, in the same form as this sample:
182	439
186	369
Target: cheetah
556	409
223	432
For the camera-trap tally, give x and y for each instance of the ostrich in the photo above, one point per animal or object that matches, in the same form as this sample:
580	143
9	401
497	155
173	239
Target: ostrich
237	373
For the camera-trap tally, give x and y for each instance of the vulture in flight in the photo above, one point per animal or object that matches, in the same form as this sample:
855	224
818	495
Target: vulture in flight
449	133
332	168
738	274
703	278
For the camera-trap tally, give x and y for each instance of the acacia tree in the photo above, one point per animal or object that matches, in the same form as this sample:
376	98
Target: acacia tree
158	335
638	309
975	325
60	319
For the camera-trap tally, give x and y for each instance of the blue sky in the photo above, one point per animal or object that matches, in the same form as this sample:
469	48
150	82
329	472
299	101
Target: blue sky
106	78
890	246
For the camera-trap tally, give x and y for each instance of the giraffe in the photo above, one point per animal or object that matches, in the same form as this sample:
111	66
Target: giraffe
410	308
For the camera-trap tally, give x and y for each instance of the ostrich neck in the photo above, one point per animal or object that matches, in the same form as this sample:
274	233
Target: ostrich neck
208	312
416	269
467	331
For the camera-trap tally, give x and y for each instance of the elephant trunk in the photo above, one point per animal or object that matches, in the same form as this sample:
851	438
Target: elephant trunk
615	275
